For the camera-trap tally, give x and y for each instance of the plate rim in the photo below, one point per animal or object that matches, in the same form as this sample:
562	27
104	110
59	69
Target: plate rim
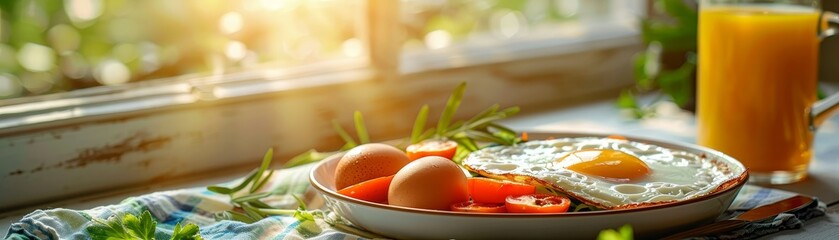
733	184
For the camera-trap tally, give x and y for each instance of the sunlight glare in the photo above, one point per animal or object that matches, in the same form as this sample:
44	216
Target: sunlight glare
83	11
568	8
438	39
36	57
509	23
112	72
236	50
74	66
352	47
38	82
9	85
64	38
231	23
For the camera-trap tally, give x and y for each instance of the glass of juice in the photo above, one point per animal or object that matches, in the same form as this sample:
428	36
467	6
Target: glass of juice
757	77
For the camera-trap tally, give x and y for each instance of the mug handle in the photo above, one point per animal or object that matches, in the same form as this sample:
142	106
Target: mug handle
824	108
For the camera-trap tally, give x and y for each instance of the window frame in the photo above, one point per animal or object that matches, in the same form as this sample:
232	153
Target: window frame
72	123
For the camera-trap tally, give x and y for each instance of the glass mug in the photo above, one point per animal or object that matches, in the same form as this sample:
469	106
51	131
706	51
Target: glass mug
757	77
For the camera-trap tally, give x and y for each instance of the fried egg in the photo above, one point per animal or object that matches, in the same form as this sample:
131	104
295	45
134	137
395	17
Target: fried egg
603	172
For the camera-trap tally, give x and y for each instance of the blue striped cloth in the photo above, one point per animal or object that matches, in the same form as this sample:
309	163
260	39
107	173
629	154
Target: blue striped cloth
197	205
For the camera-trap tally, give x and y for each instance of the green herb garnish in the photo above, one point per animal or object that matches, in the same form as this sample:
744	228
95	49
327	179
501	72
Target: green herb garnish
480	128
130	226
623	233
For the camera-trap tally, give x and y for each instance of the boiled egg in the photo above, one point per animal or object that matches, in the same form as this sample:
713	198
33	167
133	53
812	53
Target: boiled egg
368	161
428	183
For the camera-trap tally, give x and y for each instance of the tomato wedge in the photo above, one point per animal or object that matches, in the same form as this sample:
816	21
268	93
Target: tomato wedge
470	206
486	190
426	148
538	203
373	190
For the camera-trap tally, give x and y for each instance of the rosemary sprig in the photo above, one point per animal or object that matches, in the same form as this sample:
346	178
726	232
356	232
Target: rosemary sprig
250	208
480	128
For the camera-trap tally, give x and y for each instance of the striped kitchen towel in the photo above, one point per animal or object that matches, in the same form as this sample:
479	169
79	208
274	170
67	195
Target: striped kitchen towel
197	205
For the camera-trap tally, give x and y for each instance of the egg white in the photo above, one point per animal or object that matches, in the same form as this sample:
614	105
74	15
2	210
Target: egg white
674	175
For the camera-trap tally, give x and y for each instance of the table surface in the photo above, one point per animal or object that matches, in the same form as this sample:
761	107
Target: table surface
596	117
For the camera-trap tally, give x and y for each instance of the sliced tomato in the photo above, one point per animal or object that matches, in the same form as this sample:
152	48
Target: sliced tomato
537	203
373	190
486	190
426	148
470	206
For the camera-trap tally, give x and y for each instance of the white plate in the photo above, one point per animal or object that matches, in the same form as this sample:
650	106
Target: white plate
410	223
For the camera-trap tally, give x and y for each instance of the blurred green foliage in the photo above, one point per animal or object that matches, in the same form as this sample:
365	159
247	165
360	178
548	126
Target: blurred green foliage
49	46
466	18
58	45
668	64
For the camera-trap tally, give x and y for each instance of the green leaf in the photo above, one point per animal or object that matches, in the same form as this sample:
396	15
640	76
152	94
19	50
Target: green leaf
234	216
266	162
128	226
677	83
484	114
820	94
220	189
187	232
466	143
510	111
508	137
672	37
360	129
252	212
482	123
300	204
427	134
304	158
142	227
453	128
486	137
224	190
451	107
644	81
343	133
503	129
419	124
684	14
264	180
108	229
251	197
624	233
308	228
102	232
627	100
259	204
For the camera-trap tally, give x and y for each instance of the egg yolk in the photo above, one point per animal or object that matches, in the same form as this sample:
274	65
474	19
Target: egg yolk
610	164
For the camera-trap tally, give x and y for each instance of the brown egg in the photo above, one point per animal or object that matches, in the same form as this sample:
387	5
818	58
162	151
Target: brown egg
368	161
428	183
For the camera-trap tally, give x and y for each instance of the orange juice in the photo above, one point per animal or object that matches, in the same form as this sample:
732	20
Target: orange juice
757	80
